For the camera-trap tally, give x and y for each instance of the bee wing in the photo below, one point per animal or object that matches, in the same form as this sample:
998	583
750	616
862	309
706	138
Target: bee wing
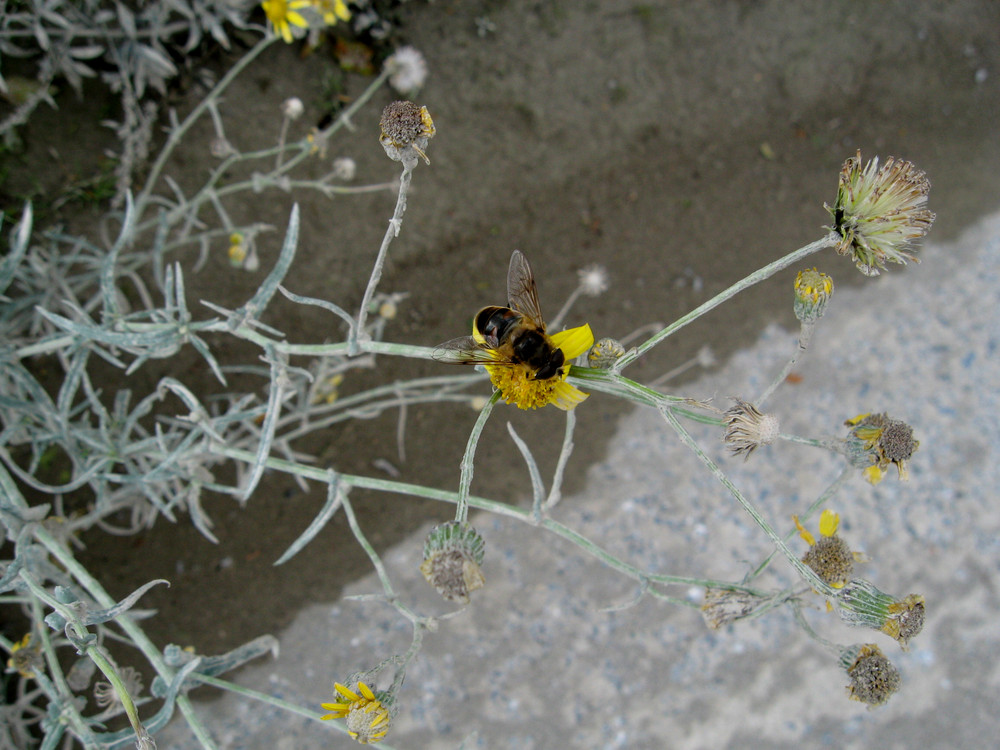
522	294
465	350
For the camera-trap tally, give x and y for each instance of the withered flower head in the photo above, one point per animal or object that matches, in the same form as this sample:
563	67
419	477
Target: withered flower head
747	428
879	211
875	441
873	677
724	606
863	605
406	129
830	557
453	553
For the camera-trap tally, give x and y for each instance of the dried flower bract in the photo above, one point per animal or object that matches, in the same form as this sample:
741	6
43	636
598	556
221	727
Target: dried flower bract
879	211
605	353
747	428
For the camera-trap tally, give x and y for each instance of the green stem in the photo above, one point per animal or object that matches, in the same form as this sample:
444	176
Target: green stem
754	278
480	503
465	480
135	633
392	231
177	134
805	334
829	492
804	570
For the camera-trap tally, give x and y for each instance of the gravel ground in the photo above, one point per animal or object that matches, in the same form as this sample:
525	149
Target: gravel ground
540	661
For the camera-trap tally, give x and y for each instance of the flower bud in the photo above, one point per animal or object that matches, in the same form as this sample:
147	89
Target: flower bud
605	353
813	290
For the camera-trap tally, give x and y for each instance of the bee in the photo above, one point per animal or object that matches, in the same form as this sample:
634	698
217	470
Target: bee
512	335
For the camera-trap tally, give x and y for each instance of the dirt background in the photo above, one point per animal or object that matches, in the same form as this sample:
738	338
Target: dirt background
679	145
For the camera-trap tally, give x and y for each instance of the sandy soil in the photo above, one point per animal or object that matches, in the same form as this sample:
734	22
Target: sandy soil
679	145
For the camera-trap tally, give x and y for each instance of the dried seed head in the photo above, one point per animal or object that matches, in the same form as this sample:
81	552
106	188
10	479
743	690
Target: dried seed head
873	677
406	129
879	211
875	441
832	560
453	553
105	694
292	108
409	70
344	168
747	428
906	619
593	280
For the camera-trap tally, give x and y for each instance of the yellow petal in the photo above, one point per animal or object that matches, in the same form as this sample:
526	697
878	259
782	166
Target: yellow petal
346	692
567	396
805	534
366	691
574	341
297	19
828	523
873	474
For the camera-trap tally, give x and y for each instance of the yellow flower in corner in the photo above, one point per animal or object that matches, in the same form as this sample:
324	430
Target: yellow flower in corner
518	386
367	718
332	10
25	657
281	13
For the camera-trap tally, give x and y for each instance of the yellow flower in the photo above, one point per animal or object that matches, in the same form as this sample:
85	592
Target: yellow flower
237	250
281	13
25	658
331	10
518	386
830	558
367	718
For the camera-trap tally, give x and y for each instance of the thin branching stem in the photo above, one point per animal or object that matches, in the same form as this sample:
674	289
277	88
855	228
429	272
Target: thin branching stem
392	231
805	334
468	466
755	278
803	570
